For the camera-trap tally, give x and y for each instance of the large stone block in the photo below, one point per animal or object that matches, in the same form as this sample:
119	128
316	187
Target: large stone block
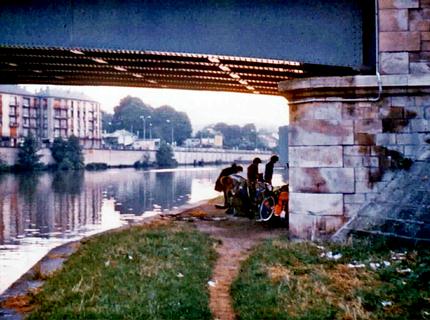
317	110
321	132
354	198
313	227
399	4
407	138
383	139
427	113
356	150
394	63
420	125
316	204
351	209
393	20
301	112
328	112
328	156
399	41
420	67
353	161
368	126
322	180
419	20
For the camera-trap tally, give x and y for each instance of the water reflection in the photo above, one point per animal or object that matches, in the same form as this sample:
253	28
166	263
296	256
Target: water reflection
41	211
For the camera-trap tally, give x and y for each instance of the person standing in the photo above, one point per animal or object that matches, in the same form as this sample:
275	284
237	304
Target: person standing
252	172
253	177
268	172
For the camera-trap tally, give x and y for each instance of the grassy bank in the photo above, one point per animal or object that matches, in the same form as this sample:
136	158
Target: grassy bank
283	280
160	272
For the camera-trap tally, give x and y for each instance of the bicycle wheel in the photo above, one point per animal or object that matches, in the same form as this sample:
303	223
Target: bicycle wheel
267	207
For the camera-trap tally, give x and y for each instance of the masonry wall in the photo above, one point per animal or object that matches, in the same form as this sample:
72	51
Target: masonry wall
404	36
342	154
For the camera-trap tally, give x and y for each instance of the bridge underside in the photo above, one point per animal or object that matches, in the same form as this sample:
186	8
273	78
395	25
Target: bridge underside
62	66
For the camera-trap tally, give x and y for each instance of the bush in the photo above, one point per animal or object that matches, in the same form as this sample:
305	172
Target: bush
4	167
96	166
28	159
165	157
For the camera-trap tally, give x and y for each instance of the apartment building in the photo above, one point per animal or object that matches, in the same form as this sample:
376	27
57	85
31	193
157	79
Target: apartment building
48	114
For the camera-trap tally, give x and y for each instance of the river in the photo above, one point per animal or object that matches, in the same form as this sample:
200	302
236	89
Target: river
41	211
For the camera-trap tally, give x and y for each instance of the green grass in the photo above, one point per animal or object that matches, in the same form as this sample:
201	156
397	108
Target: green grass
282	280
139	273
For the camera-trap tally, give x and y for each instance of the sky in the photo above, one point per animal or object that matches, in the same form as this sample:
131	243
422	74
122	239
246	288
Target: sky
202	107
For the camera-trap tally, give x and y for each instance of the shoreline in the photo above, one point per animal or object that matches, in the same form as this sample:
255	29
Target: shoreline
53	261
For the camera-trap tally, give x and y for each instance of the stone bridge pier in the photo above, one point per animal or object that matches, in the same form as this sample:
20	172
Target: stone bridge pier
350	137
347	140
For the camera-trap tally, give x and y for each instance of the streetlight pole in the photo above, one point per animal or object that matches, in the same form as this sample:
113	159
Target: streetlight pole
168	121
150	131
144	125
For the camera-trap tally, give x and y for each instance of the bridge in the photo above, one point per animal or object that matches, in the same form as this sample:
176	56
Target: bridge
356	75
240	46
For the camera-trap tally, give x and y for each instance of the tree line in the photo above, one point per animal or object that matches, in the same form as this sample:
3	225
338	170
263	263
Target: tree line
167	124
133	115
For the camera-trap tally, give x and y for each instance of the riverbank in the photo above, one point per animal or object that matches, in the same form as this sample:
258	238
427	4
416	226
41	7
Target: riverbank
258	274
115	158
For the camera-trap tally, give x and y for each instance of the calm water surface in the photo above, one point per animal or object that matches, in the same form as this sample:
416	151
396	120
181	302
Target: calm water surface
41	211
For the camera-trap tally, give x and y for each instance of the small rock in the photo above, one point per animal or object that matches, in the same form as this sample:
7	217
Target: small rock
386	303
404	271
353	265
180	275
374	266
49	266
211	283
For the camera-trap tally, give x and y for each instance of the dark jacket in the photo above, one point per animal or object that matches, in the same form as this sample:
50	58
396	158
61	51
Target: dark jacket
253	172
224	172
268	172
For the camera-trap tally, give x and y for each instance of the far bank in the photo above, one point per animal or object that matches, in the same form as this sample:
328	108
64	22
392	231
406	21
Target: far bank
115	157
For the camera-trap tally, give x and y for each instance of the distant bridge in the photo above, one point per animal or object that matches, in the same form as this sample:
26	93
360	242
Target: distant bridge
242	46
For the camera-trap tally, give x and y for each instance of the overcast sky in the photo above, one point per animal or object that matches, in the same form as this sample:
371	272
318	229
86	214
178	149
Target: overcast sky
202	107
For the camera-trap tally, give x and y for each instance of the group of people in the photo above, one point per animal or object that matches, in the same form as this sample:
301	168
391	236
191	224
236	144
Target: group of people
228	178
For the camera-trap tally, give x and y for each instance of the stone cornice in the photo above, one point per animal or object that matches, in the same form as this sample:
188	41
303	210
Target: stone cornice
354	86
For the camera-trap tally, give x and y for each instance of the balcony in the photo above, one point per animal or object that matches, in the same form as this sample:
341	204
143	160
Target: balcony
13	124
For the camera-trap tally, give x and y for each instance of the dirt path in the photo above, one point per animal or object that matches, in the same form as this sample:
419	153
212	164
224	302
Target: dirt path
237	237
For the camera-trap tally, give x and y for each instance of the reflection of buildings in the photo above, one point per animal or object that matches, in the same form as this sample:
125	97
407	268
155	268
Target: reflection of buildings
67	204
48	114
34	209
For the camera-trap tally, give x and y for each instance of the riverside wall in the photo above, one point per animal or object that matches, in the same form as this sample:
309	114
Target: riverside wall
129	157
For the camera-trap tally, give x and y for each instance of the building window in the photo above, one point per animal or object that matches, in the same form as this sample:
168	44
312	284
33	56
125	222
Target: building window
26	102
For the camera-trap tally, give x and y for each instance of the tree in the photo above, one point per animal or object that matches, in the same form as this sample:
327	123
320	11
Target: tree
128	115
165	157
169	123
28	159
107	119
74	152
58	149
67	154
231	134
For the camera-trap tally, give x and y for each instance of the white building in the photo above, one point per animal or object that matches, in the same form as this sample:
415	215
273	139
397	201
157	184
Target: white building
48	114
